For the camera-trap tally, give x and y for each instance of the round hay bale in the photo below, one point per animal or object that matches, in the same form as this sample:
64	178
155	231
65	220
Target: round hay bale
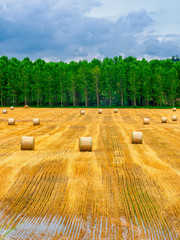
85	143
36	121
25	106
99	111
174	118
164	119
174	109
115	111
4	111
137	137
12	108
82	112
146	121
11	121
27	143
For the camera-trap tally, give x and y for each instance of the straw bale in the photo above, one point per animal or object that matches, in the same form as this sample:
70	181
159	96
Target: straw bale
12	108
115	111
174	109
82	112
27	143
25	106
11	121
85	143
4	111
137	137
99	111
164	119
146	121
174	118
36	121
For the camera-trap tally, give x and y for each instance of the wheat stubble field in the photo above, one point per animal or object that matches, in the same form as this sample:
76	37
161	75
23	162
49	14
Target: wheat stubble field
118	191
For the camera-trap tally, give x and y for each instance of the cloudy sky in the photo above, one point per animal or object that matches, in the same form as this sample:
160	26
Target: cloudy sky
65	30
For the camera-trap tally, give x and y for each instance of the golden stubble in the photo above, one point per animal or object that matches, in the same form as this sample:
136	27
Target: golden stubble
119	190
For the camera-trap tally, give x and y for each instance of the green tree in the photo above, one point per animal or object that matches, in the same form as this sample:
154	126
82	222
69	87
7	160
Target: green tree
72	78
37	75
146	84
172	86
48	89
3	71
13	74
134	83
108	71
25	84
83	80
61	75
96	73
121	79
157	86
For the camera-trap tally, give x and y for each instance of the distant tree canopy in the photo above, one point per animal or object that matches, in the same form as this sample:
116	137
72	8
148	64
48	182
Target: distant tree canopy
117	82
175	58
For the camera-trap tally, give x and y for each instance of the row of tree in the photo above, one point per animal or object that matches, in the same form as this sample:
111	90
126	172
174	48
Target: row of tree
114	81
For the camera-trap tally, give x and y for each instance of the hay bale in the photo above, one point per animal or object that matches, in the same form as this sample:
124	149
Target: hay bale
25	106
4	111
82	112
11	121
174	118
12	108
27	143
137	137
99	111
85	143
36	121
164	119
146	121
115	111
174	109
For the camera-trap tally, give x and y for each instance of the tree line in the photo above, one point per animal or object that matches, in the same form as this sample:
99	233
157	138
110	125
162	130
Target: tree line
113	81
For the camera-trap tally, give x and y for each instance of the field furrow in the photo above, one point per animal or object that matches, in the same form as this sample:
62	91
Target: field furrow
118	191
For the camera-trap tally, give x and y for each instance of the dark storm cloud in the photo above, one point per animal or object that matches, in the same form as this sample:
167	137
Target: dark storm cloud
163	48
62	31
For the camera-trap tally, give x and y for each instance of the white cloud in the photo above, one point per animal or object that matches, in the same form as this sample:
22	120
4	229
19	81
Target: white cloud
67	30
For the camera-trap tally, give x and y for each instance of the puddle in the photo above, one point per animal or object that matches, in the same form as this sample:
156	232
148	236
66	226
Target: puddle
78	228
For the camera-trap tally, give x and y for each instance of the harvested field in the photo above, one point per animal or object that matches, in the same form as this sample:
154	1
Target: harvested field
118	191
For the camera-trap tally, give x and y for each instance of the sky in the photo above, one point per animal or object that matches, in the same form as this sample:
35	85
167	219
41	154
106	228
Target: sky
73	30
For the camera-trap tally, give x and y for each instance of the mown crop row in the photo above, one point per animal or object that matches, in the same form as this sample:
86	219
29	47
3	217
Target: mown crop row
117	191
